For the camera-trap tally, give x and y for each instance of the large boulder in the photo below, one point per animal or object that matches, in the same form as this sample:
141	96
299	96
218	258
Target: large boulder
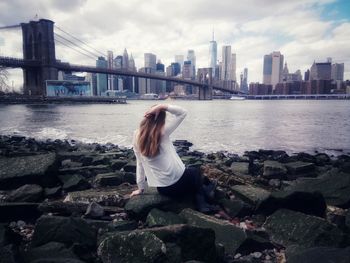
274	169
236	207
175	243
226	233
114	179
334	186
87	171
240	168
132	247
67	230
140	205
300	169
311	203
250	194
26	193
19	211
287	227
158	217
73	182
18	171
50	252
318	254
112	196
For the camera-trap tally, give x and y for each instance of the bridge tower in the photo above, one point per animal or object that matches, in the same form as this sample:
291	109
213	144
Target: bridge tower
205	76
39	45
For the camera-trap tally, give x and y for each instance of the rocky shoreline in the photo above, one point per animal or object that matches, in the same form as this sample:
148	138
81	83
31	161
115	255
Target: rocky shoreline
65	201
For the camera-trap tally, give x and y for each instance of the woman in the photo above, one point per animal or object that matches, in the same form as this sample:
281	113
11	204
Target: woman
158	162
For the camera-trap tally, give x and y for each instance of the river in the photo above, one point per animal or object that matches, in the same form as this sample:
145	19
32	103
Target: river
234	126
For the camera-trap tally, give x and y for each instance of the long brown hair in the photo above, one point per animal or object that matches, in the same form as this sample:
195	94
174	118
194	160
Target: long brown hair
150	134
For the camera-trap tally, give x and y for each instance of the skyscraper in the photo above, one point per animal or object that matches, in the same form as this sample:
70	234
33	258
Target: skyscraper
338	71
150	61
132	66
213	55
101	78
226	63
321	71
179	59
273	67
125	59
233	67
192	57
110	61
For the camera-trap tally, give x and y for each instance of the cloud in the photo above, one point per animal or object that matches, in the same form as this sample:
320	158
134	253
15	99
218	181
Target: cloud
168	27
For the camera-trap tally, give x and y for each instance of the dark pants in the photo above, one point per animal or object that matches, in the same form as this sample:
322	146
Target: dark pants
190	183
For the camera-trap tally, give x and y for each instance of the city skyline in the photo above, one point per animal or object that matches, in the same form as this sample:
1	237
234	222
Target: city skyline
319	29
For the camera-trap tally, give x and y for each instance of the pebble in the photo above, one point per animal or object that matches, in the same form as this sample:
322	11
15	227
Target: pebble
257	254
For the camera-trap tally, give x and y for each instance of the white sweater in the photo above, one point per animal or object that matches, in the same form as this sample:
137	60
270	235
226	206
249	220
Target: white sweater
166	168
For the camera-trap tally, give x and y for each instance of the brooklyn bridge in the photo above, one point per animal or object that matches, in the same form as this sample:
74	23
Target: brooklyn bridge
39	63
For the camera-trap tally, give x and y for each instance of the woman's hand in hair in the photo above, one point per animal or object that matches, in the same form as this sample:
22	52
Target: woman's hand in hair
136	192
154	111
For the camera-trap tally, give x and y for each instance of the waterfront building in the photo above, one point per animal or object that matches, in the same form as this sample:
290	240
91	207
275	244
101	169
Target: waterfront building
132	66
110	65
118	80
160	67
244	81
125	59
260	89
150	61
144	85
176	69
187	70
321	71
180	59
233	67
273	67
192	57
337	72
307	75
213	55
101	62
226	63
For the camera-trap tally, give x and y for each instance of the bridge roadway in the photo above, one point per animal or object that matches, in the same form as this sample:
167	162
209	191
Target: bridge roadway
11	62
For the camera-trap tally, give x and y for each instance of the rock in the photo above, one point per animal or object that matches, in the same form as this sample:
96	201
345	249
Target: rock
318	254
305	157
273	169
334	186
50	252
86	171
3	235
132	247
118	164
68	163
62	229
18	171
184	240
225	233
311	203
157	217
235	207
123	225
114	179
250	194
240	168
94	210
112	196
72	182
322	159
53	192
288	227
26	193
18	211
347	219
300	169
63	208
140	205
130	167
8	254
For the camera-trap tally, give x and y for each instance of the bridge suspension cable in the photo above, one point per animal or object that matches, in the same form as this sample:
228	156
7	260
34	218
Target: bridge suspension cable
76	45
10	27
76	50
81	41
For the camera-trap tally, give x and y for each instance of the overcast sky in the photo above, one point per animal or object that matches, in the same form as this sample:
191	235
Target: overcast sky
302	30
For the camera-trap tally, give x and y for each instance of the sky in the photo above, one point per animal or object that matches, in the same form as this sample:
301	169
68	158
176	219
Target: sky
302	30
